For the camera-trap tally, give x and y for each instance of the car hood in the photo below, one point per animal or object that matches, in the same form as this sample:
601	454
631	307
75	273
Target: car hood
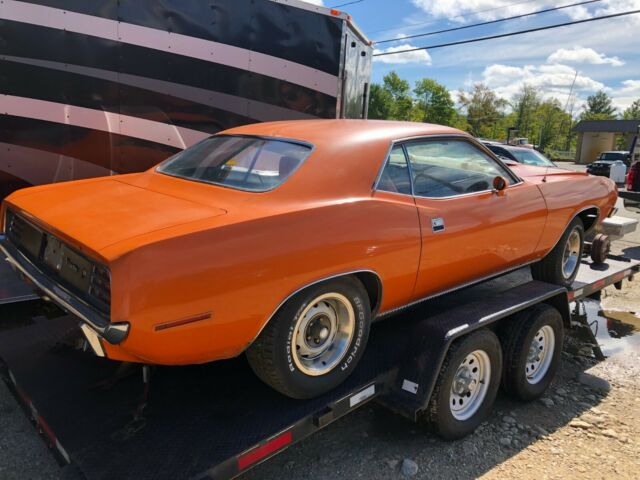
101	212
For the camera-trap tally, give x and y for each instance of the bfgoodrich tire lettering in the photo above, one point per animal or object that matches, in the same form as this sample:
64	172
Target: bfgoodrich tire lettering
292	354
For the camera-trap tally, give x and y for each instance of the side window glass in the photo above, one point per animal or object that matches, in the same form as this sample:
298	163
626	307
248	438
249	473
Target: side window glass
445	168
395	175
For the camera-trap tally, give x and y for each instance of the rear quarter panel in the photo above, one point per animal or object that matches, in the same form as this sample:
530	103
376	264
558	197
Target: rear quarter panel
241	272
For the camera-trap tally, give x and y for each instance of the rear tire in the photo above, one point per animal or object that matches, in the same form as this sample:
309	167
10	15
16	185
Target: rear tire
315	340
462	397
532	343
561	265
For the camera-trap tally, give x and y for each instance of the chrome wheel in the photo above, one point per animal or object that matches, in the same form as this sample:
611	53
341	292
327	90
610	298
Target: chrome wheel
571	254
470	385
323	333
540	354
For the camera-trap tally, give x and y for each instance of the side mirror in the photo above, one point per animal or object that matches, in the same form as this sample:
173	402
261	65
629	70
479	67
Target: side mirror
499	184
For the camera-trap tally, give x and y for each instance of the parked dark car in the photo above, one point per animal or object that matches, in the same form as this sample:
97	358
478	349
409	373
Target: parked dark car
602	165
528	156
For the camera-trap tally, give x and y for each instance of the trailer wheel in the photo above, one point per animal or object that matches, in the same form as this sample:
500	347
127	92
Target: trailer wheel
600	248
561	265
467	385
313	343
532	347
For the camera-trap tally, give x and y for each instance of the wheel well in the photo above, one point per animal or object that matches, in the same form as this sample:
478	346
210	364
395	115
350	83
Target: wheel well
589	218
373	286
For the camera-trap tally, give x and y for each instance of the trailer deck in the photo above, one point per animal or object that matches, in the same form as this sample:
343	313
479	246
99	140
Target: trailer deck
218	420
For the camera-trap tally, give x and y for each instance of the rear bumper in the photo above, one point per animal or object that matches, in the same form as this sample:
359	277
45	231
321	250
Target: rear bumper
113	333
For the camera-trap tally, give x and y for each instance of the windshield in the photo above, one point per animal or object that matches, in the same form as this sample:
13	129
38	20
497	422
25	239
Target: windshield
242	162
612	157
532	157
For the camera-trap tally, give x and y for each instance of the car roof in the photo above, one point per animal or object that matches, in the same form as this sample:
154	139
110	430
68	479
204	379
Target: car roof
348	154
615	151
323	131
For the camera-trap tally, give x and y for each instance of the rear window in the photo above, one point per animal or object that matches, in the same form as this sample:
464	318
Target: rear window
246	163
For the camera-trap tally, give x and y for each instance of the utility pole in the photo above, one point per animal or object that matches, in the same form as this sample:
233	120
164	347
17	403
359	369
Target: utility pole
568	142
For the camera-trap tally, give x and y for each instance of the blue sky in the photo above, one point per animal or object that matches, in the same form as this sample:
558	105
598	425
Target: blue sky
604	53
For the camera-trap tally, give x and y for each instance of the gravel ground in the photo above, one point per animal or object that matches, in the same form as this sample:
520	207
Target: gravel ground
587	426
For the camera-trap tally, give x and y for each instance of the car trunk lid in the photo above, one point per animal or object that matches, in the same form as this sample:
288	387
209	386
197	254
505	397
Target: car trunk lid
102	212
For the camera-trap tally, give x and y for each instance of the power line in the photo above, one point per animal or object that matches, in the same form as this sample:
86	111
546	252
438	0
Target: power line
470	14
546	10
348	3
510	34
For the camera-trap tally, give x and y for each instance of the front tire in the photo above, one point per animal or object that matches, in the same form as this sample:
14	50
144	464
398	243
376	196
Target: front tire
315	340
561	265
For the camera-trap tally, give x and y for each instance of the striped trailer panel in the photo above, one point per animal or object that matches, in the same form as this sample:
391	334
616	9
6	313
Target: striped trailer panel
116	86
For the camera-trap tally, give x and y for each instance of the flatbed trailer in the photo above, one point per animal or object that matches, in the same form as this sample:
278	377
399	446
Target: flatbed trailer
218	420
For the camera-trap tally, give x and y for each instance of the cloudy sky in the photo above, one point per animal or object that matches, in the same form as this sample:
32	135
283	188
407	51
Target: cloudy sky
604	53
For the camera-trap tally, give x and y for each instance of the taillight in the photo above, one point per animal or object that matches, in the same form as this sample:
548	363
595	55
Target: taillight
631	176
101	284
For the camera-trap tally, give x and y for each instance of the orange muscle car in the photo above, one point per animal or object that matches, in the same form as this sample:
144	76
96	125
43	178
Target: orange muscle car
284	240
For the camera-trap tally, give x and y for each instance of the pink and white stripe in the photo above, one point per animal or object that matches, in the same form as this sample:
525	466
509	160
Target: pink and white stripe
170	42
115	123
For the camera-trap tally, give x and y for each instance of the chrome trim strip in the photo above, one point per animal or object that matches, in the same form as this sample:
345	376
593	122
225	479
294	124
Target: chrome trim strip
330	277
113	333
92	339
444	292
455	330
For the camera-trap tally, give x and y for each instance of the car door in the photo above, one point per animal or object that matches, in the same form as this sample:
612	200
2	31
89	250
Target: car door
400	231
469	231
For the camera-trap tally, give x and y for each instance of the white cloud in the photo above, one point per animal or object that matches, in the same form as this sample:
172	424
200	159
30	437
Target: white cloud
583	55
418	56
487	9
625	95
553	80
457	10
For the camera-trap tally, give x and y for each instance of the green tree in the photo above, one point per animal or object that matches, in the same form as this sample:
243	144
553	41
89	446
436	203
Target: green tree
400	93
484	109
554	125
599	107
525	105
633	112
433	102
380	102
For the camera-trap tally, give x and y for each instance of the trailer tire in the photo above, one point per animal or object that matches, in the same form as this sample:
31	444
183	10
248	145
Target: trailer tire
538	329
559	266
452	422
315	340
